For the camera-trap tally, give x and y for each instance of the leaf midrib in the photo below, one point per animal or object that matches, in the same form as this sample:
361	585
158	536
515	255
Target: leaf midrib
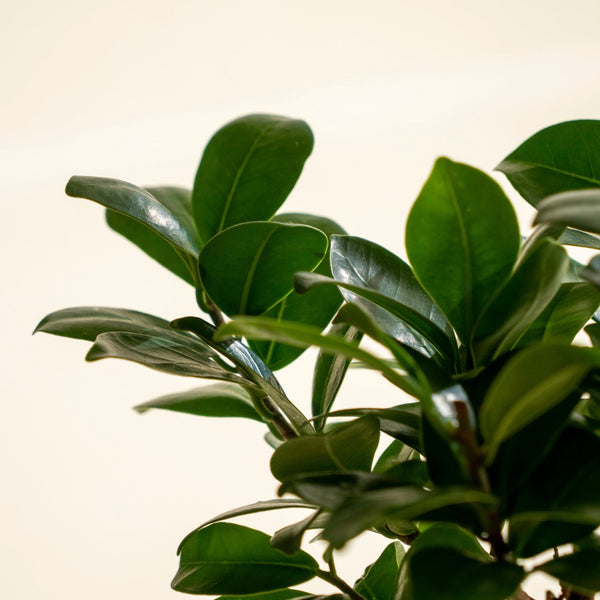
550	168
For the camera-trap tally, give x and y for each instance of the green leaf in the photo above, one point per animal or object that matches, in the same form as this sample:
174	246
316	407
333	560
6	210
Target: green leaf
573	237
556	159
462	240
531	383
315	308
248	268
288	539
177	354
562	319
534	283
330	370
579	570
448	563
178	201
285	594
217	400
88	322
137	203
346	447
380	579
396	453
379	281
247	170
249	509
361	511
224	558
560	497
269	399
575	208
305	336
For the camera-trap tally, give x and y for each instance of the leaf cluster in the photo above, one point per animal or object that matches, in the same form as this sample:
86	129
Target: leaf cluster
496	457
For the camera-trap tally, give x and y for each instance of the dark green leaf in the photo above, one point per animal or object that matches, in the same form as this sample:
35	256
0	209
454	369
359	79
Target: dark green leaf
88	322
575	208
248	268
532	286
380	579
247	170
178	201
361	511
289	538
562	319
270	399
592	273
177	354
286	594
532	382
304	336
346	447
314	308
137	203
382	283
330	370
559	158
446	562
217	400
579	570
462	240
396	453
224	558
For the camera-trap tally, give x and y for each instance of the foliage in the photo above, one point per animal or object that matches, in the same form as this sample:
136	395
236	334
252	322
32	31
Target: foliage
495	460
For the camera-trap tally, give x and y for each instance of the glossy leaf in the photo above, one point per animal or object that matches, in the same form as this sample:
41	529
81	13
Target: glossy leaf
579	570
217	400
285	594
224	558
248	268
380	579
178	202
573	237
305	336
175	354
531	383
314	308
462	240
532	286
289	539
346	447
137	203
247	170
556	159
396	453
270	399
88	322
576	208
568	311
360	512
376	280
330	370
249	509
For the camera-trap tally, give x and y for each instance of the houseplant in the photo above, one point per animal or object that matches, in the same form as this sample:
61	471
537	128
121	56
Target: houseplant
497	458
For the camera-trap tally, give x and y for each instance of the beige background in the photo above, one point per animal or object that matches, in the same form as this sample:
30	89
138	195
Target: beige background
95	498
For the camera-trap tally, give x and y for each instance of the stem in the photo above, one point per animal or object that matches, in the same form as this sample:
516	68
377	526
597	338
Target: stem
340	584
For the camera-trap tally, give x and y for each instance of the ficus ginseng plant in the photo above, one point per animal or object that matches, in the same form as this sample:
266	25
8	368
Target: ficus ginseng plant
497	458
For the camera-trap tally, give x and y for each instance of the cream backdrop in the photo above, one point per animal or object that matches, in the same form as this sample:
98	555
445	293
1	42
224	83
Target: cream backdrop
95	498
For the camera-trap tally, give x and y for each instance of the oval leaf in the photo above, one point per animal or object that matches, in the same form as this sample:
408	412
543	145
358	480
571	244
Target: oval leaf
248	268
462	240
559	158
247	170
224	558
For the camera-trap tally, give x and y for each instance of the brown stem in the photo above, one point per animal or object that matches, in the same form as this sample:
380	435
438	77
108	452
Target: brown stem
340	584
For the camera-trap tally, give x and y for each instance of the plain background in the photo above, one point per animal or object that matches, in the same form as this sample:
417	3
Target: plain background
94	497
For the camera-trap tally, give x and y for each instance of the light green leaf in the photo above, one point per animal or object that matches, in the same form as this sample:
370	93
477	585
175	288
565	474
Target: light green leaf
247	170
217	400
248	268
462	240
224	558
380	579
347	447
573	237
530	384
556	159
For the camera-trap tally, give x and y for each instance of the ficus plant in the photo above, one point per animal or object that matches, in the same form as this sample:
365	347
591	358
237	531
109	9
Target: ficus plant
493	461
